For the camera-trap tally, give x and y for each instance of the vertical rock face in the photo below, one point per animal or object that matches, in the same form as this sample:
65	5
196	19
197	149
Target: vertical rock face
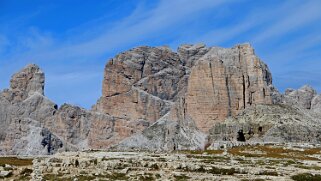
23	111
215	83
316	104
202	86
224	82
140	86
82	129
25	97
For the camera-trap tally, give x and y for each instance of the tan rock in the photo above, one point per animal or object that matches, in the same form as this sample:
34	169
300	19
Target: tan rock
143	83
27	81
140	86
224	82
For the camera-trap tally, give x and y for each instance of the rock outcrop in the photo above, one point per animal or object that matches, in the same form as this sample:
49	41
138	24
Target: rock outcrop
295	118
31	124
165	135
23	111
224	82
27	82
316	104
300	98
140	86
268	124
83	129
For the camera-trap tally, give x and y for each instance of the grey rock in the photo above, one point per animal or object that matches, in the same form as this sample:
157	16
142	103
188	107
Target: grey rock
5	173
31	124
83	129
27	82
269	124
316	104
196	87
165	135
301	97
27	137
189	54
160	100
23	112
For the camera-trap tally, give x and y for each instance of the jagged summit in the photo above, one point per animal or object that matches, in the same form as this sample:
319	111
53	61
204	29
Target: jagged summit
27	81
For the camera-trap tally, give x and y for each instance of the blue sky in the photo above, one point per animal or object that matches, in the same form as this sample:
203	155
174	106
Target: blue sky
71	40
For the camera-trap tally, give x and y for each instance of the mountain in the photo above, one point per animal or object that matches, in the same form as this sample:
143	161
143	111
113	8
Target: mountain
157	99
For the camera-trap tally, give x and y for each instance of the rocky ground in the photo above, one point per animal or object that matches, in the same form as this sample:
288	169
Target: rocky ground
269	162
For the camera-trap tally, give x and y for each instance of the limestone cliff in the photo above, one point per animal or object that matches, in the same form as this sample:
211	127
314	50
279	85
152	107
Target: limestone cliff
224	82
226	93
31	124
205	86
23	111
157	99
142	84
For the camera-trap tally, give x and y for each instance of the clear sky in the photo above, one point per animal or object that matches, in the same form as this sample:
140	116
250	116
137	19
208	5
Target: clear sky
71	40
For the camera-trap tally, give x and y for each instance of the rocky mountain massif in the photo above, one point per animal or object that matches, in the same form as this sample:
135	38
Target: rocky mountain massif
157	99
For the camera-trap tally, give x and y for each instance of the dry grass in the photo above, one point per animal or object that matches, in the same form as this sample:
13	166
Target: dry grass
274	152
210	152
15	161
308	167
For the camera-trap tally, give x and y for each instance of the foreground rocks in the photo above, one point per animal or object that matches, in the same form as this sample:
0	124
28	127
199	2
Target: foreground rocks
265	162
239	163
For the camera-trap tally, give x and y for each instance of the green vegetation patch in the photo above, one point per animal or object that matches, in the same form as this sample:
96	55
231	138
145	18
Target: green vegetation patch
181	177
308	167
217	171
306	177
116	176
